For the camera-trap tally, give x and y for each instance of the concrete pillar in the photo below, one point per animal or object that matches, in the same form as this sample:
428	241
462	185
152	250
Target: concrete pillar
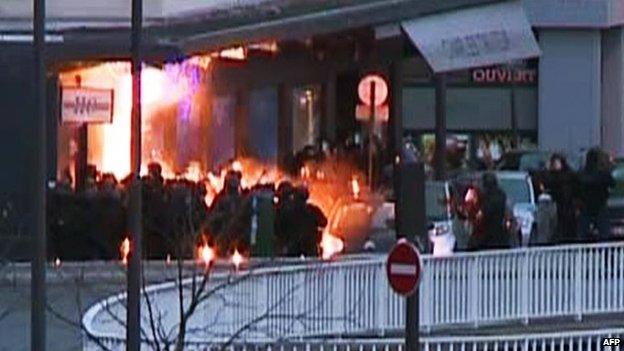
569	89
613	90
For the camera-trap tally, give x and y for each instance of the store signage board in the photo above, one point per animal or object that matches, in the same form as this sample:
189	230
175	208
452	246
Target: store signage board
87	105
502	75
474	37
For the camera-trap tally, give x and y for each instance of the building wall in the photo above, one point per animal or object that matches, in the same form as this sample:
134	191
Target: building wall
569	89
613	90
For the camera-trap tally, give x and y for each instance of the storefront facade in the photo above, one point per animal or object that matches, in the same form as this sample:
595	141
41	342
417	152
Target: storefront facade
271	106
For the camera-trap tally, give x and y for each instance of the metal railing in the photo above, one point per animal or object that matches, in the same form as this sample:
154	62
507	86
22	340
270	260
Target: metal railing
353	297
593	340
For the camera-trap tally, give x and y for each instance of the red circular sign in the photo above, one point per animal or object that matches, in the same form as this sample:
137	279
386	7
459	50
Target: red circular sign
404	267
381	89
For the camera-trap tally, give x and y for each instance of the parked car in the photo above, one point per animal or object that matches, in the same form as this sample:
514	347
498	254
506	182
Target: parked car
524	160
368	224
534	160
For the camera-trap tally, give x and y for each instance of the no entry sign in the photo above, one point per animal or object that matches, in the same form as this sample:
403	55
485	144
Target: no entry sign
404	268
380	86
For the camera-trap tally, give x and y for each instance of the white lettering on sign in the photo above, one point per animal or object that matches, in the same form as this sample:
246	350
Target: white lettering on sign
504	75
402	269
86	105
478	44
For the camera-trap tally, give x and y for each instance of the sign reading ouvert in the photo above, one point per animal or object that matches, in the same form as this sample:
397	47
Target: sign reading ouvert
474	37
86	105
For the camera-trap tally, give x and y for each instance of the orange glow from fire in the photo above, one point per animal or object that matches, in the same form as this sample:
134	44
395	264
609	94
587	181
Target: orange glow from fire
237	259
206	254
330	245
235	53
355	188
124	251
109	144
237	166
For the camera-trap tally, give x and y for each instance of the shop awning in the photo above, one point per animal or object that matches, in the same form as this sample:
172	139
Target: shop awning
473	37
174	27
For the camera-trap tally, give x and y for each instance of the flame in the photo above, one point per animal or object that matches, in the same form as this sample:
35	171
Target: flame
355	188
57	263
330	245
237	259
161	90
202	61
124	250
305	172
235	53
193	172
206	254
237	166
164	91
320	175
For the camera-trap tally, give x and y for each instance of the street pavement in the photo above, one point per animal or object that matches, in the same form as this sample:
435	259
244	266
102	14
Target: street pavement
62	297
72	289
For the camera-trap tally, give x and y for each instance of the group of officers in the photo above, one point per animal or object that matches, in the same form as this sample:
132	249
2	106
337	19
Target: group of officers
263	220
580	199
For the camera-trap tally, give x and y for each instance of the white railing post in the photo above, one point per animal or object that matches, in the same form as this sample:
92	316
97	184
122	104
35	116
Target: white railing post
340	308
579	287
426	298
526	284
475	290
382	299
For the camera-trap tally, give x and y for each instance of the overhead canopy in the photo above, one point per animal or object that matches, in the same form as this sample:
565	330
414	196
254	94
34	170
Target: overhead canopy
193	26
473	37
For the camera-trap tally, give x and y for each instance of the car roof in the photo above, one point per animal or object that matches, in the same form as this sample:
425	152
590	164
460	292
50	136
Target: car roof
498	174
527	152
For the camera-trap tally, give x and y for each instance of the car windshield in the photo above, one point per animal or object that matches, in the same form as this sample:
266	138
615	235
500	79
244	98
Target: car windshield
435	201
516	189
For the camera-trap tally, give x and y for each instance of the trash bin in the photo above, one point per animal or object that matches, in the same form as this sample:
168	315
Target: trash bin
262	233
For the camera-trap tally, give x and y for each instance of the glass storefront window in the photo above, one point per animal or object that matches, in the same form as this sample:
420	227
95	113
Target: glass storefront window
306	127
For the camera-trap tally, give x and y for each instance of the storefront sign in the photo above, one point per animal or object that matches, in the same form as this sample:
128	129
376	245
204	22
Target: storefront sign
474	37
504	75
86	105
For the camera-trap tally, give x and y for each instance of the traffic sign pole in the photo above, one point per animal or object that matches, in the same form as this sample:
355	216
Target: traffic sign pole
411	225
39	226
133	310
404	270
371	134
412	322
